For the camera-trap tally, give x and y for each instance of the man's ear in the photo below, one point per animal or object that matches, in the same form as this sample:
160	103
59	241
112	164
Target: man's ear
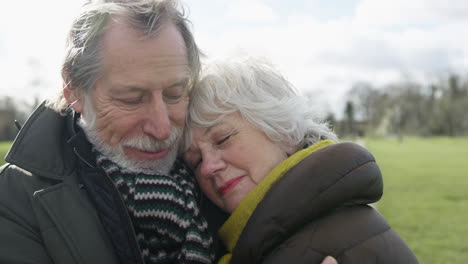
74	99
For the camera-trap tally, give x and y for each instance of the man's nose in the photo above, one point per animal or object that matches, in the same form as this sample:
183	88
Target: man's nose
212	164
157	122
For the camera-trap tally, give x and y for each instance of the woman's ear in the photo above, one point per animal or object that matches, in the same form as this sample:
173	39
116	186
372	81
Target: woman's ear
290	149
74	99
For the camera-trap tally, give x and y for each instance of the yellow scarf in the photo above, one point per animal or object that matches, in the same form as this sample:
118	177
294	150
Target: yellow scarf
232	228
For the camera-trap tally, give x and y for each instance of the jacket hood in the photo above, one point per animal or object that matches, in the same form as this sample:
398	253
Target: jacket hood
335	176
42	145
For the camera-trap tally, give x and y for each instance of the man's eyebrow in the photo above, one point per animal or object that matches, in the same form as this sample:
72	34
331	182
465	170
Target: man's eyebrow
182	82
127	89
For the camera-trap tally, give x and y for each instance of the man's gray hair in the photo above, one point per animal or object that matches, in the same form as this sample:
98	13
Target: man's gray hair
261	95
82	64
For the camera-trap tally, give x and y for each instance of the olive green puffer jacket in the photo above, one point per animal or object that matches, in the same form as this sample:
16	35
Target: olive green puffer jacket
318	208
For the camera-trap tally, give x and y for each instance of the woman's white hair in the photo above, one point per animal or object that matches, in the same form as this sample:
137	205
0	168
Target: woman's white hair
261	95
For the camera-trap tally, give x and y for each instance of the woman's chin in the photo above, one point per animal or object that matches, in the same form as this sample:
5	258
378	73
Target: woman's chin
232	204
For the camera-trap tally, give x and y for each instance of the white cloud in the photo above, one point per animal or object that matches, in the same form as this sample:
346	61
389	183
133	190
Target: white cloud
33	31
403	12
328	57
383	41
250	11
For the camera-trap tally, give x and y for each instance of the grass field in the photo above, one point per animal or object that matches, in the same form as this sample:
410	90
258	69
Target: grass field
426	195
4	146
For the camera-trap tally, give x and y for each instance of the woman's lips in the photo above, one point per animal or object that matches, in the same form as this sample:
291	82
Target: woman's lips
229	185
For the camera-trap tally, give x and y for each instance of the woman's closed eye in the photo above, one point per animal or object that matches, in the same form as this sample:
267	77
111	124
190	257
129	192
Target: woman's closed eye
225	139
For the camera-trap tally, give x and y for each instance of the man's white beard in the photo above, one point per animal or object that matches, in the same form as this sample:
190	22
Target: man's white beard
146	143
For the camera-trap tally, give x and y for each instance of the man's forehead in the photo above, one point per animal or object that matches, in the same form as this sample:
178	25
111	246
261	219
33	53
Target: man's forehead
121	38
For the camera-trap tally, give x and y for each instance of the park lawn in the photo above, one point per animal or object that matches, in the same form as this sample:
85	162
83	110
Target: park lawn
4	147
426	194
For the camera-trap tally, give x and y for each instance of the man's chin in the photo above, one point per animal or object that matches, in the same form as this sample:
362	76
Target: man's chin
162	165
131	159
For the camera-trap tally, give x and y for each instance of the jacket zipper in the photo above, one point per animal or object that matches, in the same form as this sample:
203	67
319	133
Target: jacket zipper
122	204
82	159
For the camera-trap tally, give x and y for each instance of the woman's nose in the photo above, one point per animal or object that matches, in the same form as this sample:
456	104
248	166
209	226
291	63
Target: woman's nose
212	164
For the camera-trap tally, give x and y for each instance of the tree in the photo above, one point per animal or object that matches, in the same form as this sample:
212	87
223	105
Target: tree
9	112
331	120
409	107
349	123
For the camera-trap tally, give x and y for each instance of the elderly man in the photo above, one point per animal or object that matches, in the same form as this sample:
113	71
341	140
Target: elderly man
93	177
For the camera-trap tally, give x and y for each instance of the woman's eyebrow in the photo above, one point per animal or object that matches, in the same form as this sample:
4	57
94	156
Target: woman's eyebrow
215	126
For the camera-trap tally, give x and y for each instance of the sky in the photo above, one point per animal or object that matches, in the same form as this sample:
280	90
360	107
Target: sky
323	47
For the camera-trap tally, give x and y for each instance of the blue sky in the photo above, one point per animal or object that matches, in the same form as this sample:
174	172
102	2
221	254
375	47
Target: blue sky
322	46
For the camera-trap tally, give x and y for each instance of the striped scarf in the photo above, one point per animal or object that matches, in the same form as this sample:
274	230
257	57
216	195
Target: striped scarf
165	214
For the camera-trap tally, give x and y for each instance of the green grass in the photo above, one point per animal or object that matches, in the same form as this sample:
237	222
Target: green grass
426	195
4	147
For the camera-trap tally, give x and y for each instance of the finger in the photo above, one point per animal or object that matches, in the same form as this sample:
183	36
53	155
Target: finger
329	260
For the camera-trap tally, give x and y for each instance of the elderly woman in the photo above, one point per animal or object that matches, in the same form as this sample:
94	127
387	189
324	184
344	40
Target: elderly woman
294	194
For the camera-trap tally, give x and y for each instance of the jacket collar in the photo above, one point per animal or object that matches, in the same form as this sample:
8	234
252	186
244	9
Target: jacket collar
233	227
78	141
332	177
47	143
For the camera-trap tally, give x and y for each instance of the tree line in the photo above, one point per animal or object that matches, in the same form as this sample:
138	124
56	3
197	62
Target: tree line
10	110
439	108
